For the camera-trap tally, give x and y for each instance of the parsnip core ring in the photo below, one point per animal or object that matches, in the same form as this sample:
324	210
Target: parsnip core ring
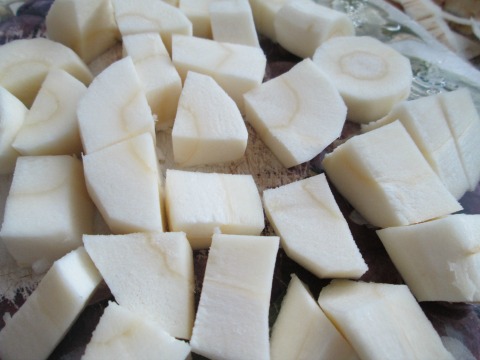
363	65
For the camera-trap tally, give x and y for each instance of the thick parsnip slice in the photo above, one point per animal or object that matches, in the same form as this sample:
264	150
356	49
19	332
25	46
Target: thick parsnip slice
264	16
232	316
381	321
151	274
371	76
312	229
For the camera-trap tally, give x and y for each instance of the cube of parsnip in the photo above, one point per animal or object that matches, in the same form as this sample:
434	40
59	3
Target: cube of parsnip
202	203
303	331
236	68
385	177
232	316
264	16
464	121
150	274
143	16
381	321
439	259
291	118
124	183
312	229
12	116
48	313
158	76
47	209
197	12
86	26
123	334
51	125
232	21
208	127
301	26
114	108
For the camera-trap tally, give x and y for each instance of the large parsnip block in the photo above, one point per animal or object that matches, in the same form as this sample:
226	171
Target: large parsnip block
291	118
197	11
232	316
43	320
208	127
47	209
312	229
202	203
381	321
25	63
124	183
86	26
385	177
12	116
151	274
122	334
303	331
51	125
236	68
264	16
114	108
439	259
158	76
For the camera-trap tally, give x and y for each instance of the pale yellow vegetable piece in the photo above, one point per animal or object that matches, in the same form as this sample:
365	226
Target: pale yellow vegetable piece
385	177
312	229
197	12
208	128
151	274
381	321
232	316
371	76
25	63
439	259
12	116
48	313
47	209
303	331
201	204
292	118
158	76
124	183
88	27
264	16
51	125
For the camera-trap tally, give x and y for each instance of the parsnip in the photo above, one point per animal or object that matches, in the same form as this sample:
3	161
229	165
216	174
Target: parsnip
264	16
197	12
371	76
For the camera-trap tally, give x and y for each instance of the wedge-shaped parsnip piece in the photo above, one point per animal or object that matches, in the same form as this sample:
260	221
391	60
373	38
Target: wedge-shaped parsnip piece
197	11
303	331
86	26
158	76
232	21
291	118
201	203
381	321
123	182
114	108
371	76
232	316
301	26
385	177
439	259
12	116
425	121
122	334
150	274
43	320
25	63
236	68
208	128
464	122
312	229
264	16
51	125
142	16
47	209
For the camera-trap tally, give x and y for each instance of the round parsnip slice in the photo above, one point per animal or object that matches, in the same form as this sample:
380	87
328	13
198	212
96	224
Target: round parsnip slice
371	76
